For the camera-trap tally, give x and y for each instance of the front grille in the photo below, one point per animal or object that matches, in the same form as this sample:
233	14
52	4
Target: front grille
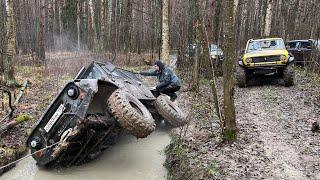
265	59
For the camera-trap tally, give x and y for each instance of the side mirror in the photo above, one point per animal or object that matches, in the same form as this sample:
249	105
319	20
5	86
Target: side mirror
242	51
287	46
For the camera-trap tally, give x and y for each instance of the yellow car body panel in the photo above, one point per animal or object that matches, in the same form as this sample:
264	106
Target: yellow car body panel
266	53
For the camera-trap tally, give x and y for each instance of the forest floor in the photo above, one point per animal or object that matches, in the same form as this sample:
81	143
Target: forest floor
275	140
274	122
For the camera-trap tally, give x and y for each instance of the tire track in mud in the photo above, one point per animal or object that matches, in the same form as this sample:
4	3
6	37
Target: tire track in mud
270	120
282	117
274	139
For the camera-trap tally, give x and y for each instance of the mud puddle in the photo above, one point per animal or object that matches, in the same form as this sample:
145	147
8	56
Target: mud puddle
130	158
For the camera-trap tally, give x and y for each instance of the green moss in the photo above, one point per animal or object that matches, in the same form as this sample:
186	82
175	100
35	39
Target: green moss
229	135
177	147
10	152
205	82
21	150
177	161
212	169
23	117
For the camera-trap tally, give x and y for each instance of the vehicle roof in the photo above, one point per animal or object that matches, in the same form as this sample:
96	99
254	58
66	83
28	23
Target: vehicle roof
264	39
301	40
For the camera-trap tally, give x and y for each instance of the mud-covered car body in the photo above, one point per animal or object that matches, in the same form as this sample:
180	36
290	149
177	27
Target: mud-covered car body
264	56
78	124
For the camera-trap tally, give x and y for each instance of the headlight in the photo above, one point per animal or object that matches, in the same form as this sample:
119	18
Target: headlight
73	92
249	60
283	58
213	56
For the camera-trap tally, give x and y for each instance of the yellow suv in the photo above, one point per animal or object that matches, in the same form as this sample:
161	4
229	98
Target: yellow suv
265	57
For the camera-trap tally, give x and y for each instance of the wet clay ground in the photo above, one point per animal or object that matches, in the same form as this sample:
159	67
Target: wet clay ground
275	140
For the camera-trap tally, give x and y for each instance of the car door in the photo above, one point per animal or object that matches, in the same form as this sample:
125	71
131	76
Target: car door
292	48
298	56
305	48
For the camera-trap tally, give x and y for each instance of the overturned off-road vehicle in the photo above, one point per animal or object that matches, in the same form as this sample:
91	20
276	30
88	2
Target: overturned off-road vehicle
90	113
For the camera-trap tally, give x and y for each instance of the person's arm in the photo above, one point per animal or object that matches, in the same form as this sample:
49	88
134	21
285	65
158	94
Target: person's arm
149	73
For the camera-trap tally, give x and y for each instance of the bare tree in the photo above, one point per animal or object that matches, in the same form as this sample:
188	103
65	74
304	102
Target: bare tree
229	129
268	20
9	78
165	32
3	37
78	24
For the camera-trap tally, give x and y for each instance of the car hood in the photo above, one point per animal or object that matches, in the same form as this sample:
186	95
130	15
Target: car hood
266	53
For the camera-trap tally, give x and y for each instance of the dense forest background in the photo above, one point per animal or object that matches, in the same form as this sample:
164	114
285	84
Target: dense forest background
48	41
122	26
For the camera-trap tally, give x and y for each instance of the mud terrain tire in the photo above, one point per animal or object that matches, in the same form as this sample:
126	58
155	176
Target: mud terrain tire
288	75
132	115
170	111
241	76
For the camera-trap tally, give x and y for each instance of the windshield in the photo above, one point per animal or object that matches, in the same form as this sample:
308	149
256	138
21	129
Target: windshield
214	47
259	45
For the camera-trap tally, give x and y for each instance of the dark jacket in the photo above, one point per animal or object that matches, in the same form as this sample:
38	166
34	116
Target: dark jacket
165	76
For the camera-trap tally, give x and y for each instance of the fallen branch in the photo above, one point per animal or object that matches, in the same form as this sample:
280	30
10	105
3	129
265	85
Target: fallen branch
20	119
24	86
11	108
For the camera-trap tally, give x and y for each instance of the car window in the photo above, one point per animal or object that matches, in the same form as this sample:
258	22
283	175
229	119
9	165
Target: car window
292	44
259	45
305	45
214	47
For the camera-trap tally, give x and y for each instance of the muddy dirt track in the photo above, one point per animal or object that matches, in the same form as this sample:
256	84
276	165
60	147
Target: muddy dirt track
275	140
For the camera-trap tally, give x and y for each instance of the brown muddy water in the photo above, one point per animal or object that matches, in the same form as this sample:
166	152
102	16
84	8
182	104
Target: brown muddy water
130	158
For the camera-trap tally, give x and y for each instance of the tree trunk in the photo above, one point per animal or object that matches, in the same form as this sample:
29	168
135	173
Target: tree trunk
93	25
50	33
78	25
9	78
268	20
198	38
196	69
60	25
165	32
229	131
103	24
217	21
3	37
41	40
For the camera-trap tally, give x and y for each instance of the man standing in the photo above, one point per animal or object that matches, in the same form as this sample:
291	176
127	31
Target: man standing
169	83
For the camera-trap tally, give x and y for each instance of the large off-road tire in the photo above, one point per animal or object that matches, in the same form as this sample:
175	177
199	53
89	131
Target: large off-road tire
241	76
170	111
288	75
132	115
